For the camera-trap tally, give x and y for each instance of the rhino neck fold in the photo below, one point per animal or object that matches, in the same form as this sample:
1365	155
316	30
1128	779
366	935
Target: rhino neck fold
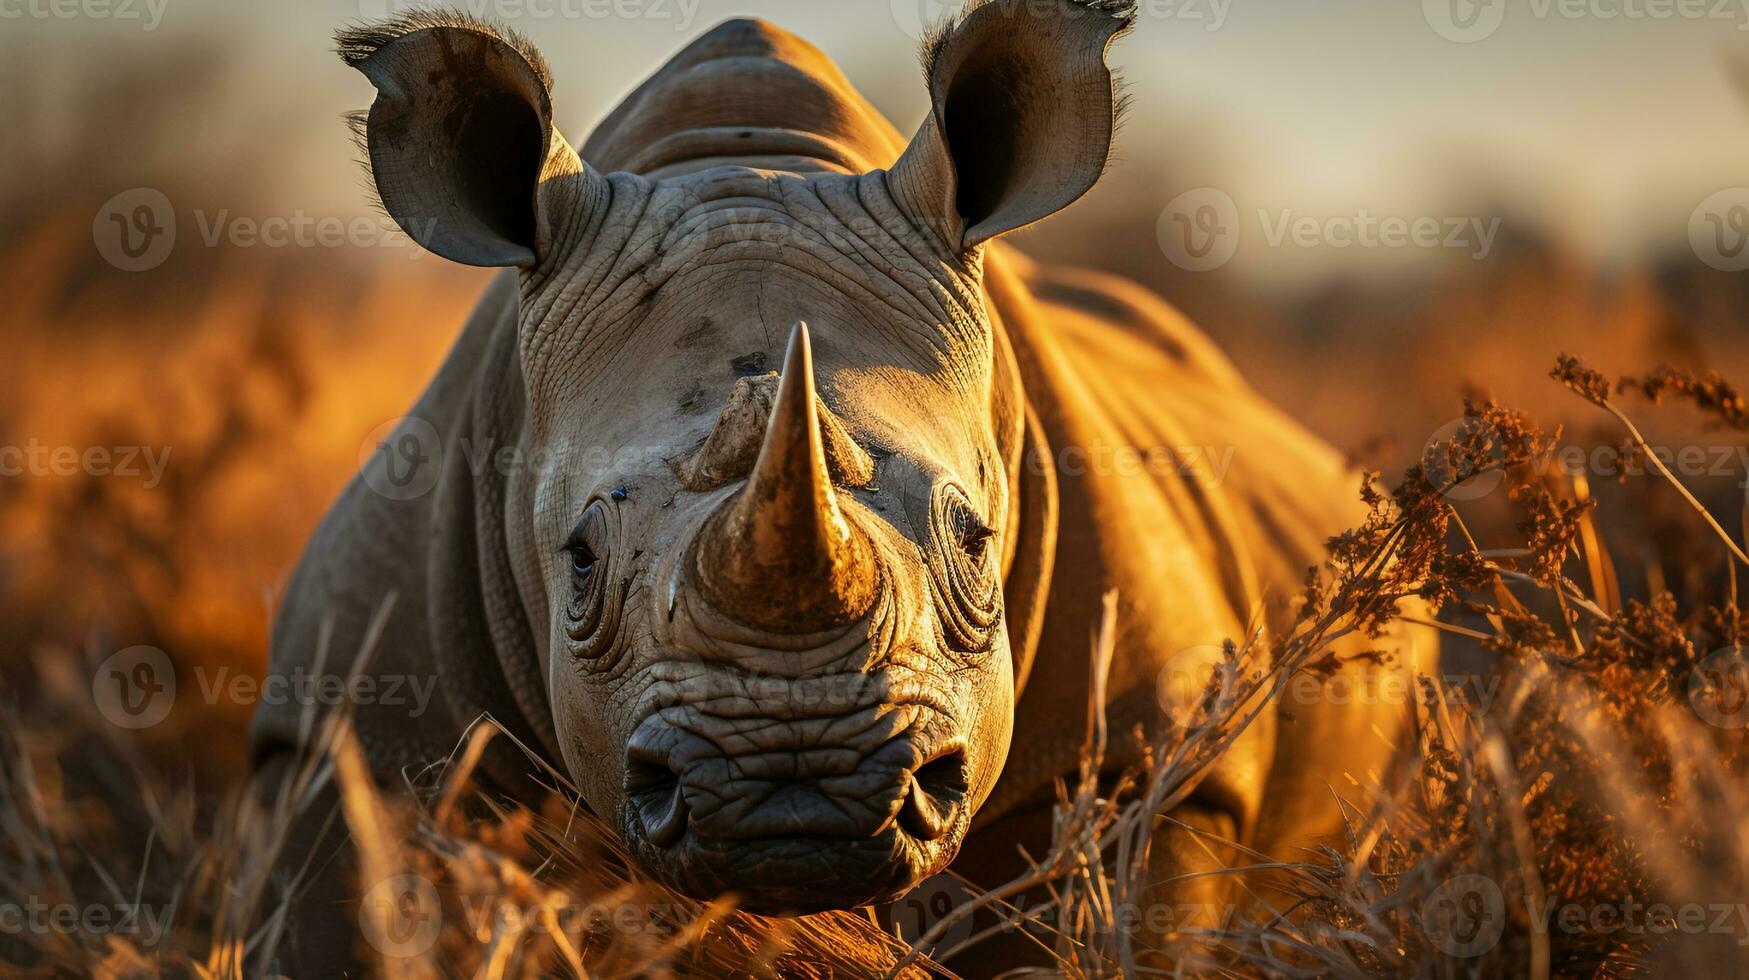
484	648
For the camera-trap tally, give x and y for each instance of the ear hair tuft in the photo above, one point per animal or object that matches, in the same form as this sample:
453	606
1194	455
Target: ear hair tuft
935	38
358	125
356	44
1121	100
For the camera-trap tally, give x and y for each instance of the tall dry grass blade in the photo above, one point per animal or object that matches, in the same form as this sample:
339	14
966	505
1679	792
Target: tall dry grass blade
377	836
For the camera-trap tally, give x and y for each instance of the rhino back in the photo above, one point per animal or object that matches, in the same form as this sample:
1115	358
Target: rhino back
746	93
1227	503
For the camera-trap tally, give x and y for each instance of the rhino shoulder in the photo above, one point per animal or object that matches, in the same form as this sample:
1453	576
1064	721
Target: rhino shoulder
1112	302
355	616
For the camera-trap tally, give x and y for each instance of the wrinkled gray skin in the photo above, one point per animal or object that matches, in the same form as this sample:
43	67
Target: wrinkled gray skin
774	596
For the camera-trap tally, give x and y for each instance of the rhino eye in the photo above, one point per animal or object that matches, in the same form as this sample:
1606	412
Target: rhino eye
966	586
582	559
971	534
589	615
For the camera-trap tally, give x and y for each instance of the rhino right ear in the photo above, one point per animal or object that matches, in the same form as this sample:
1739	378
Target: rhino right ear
1023	113
460	139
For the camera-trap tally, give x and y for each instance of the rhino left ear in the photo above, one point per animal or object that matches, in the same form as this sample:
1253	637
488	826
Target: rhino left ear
1022	120
460	138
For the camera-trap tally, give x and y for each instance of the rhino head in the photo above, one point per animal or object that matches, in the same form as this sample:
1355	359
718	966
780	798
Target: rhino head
773	634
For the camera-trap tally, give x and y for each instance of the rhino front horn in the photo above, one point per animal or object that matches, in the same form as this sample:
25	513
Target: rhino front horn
780	554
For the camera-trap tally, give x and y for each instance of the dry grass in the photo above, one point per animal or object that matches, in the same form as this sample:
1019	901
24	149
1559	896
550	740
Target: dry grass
1592	781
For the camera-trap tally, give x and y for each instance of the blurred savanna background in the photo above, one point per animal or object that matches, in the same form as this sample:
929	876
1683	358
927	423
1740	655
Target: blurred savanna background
1377	208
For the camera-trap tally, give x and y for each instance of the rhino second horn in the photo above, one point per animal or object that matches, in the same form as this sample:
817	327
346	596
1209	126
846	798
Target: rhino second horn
732	448
780	554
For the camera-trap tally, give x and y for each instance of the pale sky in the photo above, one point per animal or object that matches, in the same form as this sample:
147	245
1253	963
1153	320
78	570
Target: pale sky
1610	128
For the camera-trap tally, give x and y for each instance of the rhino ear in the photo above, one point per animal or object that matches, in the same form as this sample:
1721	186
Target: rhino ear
1022	119
460	139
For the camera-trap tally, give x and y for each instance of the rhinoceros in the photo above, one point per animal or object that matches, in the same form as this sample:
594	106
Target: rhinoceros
772	500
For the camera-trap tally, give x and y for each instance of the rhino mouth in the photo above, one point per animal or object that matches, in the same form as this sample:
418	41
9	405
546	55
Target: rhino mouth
927	811
794	829
800	875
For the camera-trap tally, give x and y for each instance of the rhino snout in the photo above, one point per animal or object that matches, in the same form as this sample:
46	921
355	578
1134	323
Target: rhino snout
795	815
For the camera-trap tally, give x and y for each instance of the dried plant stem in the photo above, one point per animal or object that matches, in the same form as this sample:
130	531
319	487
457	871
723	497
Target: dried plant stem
1658	464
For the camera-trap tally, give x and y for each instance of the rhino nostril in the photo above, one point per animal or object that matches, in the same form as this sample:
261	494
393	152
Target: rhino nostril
655	795
937	789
